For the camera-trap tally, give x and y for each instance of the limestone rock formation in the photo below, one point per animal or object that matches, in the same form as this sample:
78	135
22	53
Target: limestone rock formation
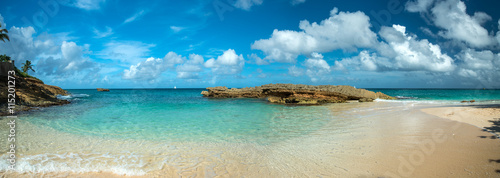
102	89
297	94
30	92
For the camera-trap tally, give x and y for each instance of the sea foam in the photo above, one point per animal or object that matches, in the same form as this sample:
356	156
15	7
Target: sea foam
130	165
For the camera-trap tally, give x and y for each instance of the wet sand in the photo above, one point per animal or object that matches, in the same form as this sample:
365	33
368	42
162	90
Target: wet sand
391	140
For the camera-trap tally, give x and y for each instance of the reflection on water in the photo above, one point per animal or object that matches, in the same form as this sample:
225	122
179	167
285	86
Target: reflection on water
183	134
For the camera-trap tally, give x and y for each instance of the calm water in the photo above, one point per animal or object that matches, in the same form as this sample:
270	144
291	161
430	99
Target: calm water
138	132
442	94
179	115
184	115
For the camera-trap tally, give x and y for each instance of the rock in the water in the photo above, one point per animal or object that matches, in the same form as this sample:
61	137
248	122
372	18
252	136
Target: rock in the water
102	89
30	92
297	94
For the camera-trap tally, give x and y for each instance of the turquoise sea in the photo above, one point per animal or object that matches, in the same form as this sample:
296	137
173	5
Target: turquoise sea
184	115
143	131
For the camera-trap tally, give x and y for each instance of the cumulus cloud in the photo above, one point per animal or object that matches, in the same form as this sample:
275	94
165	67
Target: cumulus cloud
152	68
481	66
48	53
364	61
295	71
258	60
191	68
71	61
146	71
451	16
342	30
316	67
227	63
418	5
498	33
404	53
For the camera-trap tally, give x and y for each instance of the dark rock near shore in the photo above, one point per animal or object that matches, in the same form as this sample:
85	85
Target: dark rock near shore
30	93
297	94
102	89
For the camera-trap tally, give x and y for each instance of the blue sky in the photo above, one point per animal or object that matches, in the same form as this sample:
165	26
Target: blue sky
240	43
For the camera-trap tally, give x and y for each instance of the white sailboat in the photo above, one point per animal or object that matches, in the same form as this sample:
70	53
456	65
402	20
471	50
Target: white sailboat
175	87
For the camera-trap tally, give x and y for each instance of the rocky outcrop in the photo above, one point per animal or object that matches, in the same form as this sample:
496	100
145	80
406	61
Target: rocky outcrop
297	94
30	92
102	89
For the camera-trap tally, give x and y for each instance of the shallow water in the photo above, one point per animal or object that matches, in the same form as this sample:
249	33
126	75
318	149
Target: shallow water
178	132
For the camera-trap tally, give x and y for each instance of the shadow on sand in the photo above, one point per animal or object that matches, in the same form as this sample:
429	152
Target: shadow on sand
493	129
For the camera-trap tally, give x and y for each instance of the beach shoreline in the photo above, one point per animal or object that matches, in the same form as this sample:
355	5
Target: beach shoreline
393	140
485	116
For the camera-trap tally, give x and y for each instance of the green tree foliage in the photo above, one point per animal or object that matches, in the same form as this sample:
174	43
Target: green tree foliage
27	66
3	34
4	58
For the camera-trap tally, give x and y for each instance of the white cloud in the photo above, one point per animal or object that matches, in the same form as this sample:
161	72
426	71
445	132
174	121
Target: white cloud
134	17
295	2
70	62
403	53
342	30
479	60
413	54
145	71
481	66
316	67
246	4
258	60
418	5
152	68
498	33
102	34
52	56
129	52
176	29
364	61
295	71
227	63
84	4
190	69
172	58
451	16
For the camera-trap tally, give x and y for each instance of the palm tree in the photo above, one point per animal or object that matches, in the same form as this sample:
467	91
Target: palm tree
27	66
3	35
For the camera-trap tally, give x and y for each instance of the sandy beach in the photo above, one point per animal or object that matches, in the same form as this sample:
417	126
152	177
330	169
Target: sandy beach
483	116
392	140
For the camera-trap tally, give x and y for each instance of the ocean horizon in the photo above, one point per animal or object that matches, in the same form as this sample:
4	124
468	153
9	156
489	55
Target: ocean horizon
117	126
249	88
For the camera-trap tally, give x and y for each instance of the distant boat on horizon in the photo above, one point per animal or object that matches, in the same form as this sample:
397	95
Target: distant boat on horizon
175	87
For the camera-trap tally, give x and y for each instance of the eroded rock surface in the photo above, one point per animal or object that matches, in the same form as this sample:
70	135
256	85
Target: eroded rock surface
30	93
297	94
